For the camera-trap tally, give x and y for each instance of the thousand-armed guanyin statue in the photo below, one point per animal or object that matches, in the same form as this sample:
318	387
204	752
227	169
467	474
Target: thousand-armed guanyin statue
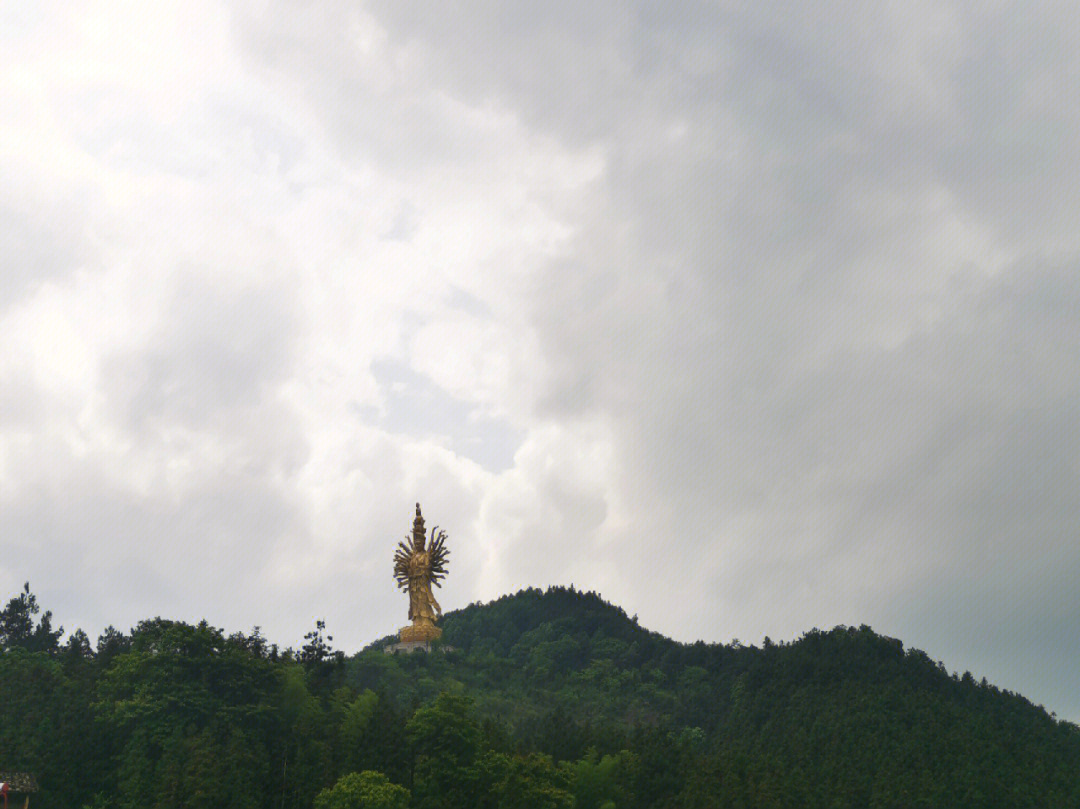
419	563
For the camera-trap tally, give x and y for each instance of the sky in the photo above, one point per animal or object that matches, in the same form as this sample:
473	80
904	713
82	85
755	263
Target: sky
752	317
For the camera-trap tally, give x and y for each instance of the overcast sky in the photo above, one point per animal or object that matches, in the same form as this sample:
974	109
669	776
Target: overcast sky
751	317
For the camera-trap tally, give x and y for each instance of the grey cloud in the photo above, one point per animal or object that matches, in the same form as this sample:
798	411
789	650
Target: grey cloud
215	351
271	139
584	71
406	223
40	241
101	553
22	405
376	110
413	405
469	304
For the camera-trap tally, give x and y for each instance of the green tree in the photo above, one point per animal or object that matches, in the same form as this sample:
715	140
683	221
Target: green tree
600	782
356	731
532	782
18	629
192	715
363	790
445	744
306	755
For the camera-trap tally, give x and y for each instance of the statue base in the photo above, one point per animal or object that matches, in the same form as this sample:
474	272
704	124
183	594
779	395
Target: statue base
419	633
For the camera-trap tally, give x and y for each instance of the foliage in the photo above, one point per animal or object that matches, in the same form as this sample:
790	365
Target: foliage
363	790
17	627
317	649
445	743
541	699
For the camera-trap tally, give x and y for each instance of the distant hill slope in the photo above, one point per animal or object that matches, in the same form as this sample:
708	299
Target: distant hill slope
844	711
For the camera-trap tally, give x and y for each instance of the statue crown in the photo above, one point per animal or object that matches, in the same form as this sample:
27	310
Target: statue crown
418	529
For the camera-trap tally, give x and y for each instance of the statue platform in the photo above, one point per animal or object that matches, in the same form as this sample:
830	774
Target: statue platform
419	633
416	638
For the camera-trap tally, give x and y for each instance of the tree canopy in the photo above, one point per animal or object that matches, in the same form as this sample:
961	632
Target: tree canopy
547	699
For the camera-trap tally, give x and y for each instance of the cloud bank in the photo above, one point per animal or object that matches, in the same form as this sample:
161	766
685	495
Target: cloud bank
754	318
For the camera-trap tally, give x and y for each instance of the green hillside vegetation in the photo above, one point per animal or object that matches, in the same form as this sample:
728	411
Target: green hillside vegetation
547	699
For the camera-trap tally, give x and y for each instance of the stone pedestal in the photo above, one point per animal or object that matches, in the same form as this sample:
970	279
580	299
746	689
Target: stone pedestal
415	646
419	633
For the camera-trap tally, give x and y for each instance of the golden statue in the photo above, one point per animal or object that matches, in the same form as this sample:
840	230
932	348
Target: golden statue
417	566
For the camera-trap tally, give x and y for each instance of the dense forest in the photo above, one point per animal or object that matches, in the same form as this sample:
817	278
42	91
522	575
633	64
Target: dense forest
539	699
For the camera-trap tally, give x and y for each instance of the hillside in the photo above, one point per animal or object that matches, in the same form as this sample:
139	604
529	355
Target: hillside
843	717
549	699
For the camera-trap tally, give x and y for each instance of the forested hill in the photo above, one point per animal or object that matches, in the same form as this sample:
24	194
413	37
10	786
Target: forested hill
836	717
547	699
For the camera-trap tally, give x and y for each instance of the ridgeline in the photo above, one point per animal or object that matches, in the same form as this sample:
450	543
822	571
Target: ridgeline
547	699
